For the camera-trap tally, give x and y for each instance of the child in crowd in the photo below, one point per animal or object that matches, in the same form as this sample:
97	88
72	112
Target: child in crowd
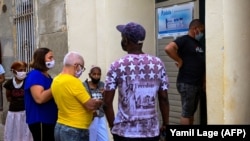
16	128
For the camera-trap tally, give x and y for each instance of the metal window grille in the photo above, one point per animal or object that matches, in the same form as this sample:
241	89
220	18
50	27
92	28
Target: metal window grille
25	30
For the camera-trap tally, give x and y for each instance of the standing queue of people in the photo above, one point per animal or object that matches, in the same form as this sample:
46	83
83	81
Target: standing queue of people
64	108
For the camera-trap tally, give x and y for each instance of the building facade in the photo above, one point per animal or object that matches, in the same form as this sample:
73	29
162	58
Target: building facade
89	27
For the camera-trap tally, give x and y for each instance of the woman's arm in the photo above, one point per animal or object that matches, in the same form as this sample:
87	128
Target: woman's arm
2	78
40	95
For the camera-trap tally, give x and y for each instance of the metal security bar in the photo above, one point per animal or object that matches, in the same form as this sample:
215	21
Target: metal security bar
25	30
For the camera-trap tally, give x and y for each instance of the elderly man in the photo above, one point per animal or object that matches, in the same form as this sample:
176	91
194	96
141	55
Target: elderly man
75	106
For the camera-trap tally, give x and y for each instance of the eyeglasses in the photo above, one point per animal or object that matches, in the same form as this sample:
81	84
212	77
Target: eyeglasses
82	67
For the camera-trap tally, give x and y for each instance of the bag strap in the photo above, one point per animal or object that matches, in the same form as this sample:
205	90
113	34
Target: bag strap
87	87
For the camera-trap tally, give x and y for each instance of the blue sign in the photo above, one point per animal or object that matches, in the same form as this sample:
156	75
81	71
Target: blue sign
174	20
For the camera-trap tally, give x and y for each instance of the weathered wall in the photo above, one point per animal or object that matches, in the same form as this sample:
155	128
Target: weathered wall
214	48
6	35
237	63
228	79
52	29
92	28
7	44
51	32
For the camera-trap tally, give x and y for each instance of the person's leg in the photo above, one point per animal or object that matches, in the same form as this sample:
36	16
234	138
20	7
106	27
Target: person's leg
93	129
189	99
57	132
8	127
102	131
48	132
35	130
66	133
186	121
23	128
203	108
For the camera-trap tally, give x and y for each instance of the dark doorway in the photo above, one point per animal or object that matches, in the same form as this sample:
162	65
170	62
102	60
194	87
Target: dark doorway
203	100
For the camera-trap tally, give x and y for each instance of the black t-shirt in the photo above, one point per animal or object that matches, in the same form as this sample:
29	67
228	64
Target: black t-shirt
193	56
17	96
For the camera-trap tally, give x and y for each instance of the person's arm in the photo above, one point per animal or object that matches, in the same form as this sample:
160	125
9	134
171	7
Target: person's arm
108	107
2	78
93	104
8	95
164	106
171	50
40	95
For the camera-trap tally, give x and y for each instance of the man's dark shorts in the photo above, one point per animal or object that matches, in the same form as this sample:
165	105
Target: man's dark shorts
189	98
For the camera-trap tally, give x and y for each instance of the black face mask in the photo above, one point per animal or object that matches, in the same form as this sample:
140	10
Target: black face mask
123	45
95	81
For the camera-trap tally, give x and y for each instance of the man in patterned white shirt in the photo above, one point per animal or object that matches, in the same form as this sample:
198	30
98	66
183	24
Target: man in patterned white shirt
142	84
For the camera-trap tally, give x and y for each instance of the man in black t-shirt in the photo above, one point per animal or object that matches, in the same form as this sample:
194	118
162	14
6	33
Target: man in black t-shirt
189	55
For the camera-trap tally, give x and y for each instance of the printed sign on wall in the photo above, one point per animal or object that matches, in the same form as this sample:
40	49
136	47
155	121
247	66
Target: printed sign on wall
174	20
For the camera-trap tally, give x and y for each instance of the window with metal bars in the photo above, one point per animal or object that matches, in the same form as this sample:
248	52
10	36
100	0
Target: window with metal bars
25	30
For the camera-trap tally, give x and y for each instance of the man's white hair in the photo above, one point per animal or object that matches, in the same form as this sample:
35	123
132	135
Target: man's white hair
72	58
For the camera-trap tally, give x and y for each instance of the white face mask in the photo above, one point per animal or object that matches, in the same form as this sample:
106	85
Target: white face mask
50	64
78	73
20	75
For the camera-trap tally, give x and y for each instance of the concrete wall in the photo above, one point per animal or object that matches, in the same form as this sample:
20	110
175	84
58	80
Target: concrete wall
91	28
7	44
52	29
228	79
6	35
51	32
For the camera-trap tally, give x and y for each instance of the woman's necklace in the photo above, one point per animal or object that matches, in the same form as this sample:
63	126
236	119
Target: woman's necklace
17	85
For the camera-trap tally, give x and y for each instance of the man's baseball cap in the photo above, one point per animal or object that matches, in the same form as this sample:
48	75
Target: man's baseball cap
134	31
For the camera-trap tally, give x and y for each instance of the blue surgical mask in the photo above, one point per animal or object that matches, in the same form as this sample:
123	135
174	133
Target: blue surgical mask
199	36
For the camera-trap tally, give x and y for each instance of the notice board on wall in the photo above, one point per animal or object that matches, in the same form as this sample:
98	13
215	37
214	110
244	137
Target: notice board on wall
174	20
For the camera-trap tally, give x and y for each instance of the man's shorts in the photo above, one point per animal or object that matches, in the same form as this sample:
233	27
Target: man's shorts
190	95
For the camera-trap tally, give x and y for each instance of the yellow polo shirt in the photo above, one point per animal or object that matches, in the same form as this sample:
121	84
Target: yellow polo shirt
70	95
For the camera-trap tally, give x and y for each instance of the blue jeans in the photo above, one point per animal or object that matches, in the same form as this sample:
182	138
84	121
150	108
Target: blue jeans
67	133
